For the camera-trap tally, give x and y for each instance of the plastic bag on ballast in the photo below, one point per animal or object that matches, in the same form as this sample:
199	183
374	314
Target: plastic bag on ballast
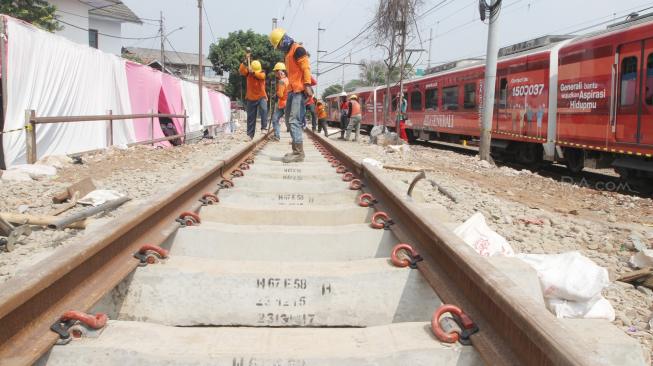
484	240
568	276
596	308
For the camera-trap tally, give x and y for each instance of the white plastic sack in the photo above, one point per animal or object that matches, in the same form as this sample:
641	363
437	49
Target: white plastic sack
372	163
100	196
484	240
596	308
568	276
15	176
35	171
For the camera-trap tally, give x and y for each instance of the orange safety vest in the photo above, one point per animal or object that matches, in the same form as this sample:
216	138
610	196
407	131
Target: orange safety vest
299	70
255	84
321	112
282	92
355	108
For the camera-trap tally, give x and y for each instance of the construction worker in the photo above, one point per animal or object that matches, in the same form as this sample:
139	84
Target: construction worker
355	117
282	96
321	118
344	116
298	68
310	108
256	98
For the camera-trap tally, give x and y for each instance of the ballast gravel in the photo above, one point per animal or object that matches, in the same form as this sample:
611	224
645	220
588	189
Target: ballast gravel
537	214
139	172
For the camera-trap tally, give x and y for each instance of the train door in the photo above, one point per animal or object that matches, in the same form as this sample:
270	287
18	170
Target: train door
628	90
646	118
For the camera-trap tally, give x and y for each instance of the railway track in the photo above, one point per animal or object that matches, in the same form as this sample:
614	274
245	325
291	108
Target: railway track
256	262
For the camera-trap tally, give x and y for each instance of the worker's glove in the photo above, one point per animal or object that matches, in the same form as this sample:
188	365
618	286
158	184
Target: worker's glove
308	91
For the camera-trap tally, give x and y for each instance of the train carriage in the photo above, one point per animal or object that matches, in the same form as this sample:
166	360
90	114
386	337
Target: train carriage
598	114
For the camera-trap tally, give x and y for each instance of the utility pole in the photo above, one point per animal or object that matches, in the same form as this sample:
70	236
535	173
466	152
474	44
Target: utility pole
161	31
317	67
274	23
390	65
402	63
200	73
490	79
428	63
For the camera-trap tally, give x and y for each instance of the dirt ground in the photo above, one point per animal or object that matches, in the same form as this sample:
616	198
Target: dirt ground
571	214
139	172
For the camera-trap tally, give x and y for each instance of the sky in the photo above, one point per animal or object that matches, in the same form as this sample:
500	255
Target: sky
455	25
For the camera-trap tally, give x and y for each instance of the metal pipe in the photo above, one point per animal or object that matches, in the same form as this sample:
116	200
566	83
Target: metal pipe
68	119
65	221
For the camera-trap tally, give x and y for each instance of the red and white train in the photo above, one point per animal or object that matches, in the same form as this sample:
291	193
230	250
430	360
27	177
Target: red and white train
584	100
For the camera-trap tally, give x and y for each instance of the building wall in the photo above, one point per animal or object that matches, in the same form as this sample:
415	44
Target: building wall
76	13
73	12
107	44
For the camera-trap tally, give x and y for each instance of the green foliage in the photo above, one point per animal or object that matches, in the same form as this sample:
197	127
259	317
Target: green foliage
333	89
228	53
37	12
373	73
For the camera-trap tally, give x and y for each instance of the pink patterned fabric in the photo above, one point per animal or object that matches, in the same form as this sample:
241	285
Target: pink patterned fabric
170	101
145	88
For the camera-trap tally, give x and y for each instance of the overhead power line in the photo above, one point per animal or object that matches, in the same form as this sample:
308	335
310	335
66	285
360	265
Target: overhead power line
109	35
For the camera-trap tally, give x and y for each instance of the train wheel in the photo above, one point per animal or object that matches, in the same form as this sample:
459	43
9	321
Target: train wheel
575	160
530	154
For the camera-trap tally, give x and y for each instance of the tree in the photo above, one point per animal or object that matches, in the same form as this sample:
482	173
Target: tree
37	12
228	53
333	89
373	73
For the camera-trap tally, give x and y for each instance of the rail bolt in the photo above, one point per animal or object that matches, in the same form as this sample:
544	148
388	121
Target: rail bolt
413	256
237	173
244	166
341	169
366	200
348	177
189	218
335	163
464	321
209	198
249	160
380	220
355	184
150	254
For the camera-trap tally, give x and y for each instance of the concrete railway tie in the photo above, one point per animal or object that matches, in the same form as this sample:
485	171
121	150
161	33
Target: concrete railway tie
284	270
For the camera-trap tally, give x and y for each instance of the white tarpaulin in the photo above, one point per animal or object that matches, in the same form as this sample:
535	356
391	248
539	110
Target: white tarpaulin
56	77
190	95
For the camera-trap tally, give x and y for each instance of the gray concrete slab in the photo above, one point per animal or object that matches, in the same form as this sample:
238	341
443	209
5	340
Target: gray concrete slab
192	291
140	344
308	215
306	169
266	197
321	175
289	183
282	243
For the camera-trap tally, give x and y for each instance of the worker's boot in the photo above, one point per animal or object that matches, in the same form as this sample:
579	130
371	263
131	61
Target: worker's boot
293	152
298	155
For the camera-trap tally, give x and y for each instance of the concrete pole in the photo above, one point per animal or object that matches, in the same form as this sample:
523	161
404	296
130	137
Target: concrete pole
402	65
317	66
163	57
489	85
428	63
200	73
387	98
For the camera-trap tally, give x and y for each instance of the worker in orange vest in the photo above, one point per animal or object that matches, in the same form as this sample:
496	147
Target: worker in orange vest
256	98
355	117
298	66
282	96
321	118
344	116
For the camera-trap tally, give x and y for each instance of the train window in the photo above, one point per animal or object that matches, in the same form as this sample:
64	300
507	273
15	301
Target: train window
432	99
628	80
503	93
649	79
450	98
416	100
469	101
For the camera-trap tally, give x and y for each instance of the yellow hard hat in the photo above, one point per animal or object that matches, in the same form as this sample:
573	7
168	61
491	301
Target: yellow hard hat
280	66
353	96
256	66
276	36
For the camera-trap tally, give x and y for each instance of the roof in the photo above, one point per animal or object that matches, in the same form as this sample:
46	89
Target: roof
149	55
114	9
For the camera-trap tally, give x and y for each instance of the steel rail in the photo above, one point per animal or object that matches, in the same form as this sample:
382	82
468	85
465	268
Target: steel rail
514	328
77	276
